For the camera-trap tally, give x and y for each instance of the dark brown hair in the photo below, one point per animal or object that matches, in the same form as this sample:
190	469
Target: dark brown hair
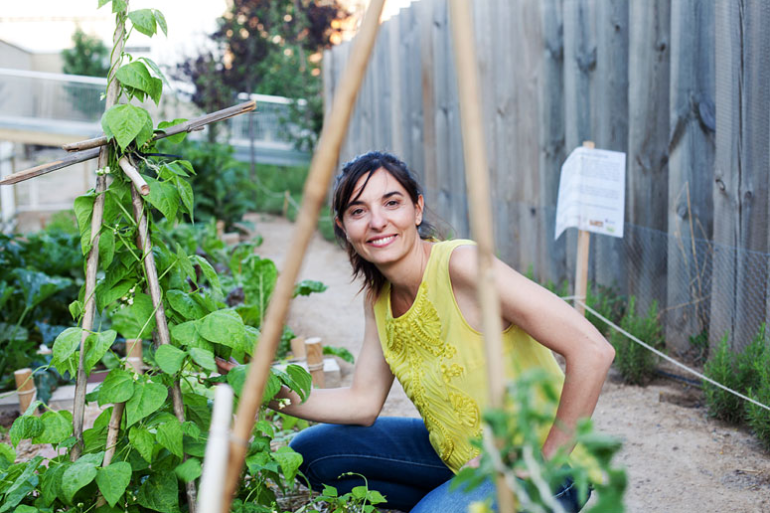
344	187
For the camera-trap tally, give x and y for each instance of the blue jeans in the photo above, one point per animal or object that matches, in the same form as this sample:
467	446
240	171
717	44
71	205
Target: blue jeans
398	461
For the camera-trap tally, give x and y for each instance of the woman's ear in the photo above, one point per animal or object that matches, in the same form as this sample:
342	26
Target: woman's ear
340	226
419	206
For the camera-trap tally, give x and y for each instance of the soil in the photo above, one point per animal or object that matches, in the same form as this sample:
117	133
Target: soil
677	458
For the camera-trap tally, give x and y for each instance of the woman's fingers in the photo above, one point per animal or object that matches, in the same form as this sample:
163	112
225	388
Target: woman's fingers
225	366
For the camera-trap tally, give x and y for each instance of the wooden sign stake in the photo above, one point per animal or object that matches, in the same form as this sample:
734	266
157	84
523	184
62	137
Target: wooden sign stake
315	360
321	171
476	172
25	388
581	267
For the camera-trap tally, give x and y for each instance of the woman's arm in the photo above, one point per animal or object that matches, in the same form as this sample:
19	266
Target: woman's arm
553	323
358	404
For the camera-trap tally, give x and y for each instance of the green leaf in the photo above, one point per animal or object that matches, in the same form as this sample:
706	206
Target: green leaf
148	397
203	358
183	304
129	320
169	435
78	475
159	492
38	286
143	21
237	377
307	287
124	122
113	481
169	358
223	327
289	460
57	427
186	194
102	3
25	509
136	75
7	455
117	291
187	266
176	138
118	6
302	378
76	309
161	21
185	333
106	247
23	484
340	352
118	387
26	426
97	345
189	470
158	73
84	207
143	441
259	276
66	344
210	274
165	197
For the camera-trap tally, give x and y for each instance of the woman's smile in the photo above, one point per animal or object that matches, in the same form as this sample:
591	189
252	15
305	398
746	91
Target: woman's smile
382	241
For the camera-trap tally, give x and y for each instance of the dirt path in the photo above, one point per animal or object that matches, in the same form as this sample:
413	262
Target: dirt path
677	459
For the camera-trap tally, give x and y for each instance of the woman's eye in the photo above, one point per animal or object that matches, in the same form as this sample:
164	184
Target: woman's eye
356	212
392	203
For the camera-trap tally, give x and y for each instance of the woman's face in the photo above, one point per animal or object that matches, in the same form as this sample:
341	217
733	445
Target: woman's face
381	223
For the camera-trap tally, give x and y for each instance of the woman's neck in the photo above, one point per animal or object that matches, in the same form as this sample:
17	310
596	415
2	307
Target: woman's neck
405	275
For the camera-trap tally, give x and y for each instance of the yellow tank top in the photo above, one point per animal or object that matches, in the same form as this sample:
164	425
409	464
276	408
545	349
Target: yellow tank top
439	359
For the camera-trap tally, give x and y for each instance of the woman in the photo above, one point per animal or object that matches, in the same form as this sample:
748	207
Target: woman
422	326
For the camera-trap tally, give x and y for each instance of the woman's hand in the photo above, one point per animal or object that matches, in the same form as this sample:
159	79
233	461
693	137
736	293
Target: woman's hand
225	366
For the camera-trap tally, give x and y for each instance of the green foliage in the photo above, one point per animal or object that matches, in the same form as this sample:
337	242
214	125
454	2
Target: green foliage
359	500
636	363
89	56
741	371
757	417
531	404
275	49
608	303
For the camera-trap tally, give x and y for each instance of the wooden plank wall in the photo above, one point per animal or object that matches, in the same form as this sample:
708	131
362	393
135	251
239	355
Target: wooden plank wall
679	85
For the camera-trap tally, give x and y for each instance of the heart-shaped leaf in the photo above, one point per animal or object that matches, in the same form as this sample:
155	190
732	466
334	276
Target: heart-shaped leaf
113	481
148	398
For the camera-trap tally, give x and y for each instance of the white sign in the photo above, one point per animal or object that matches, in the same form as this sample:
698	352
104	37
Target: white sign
592	192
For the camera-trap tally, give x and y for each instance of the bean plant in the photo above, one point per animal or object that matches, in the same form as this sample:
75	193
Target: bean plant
155	453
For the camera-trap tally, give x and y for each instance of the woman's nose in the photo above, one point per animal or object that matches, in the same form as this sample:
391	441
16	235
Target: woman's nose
378	221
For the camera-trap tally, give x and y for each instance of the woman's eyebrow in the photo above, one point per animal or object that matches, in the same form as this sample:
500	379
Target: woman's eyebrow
384	196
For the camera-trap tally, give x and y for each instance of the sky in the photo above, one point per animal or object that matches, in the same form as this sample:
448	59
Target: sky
44	26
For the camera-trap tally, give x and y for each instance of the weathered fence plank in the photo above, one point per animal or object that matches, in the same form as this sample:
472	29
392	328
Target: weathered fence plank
691	164
741	171
647	180
410	62
551	144
610	124
428	80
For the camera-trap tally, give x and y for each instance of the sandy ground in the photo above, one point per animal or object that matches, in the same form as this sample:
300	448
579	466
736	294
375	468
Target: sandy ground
677	459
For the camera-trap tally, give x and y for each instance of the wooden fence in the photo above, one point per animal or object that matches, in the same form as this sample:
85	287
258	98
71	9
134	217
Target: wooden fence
681	86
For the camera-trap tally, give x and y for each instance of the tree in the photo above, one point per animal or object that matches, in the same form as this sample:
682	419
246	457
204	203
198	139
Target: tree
89	56
268	47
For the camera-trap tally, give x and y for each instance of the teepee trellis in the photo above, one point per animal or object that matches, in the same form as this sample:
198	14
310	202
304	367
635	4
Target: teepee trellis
99	148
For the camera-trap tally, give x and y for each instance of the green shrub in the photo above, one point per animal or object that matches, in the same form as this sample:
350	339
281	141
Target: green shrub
720	367
636	363
608	303
757	417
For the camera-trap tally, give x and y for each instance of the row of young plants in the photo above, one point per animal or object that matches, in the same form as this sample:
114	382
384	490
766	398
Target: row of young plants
155	452
746	370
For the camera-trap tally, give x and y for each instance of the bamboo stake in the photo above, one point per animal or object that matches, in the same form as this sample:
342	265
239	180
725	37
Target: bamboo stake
138	180
188	126
92	145
321	170
161	325
92	264
43	169
581	266
215	461
315	360
474	147
25	388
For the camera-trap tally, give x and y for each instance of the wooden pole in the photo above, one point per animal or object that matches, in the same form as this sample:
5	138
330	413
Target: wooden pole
321	170
215	461
477	180
298	348
315	360
161	325
92	146
188	126
581	266
138	180
134	354
25	388
92	263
